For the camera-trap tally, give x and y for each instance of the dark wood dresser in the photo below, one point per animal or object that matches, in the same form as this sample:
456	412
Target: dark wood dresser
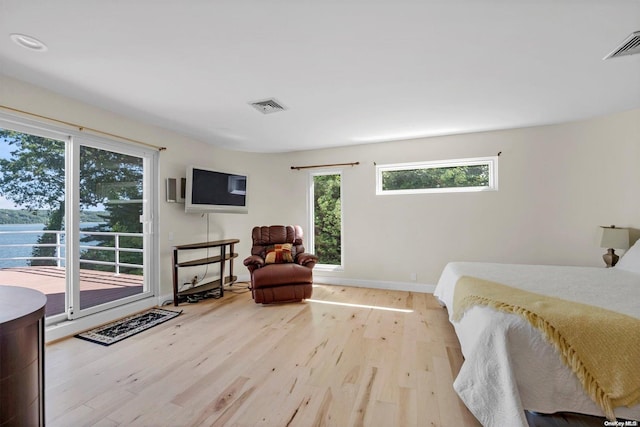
21	356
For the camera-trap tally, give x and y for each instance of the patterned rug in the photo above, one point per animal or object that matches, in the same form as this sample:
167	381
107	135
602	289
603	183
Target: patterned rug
124	328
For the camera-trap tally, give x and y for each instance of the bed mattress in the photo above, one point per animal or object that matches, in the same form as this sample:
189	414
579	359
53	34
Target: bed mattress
509	366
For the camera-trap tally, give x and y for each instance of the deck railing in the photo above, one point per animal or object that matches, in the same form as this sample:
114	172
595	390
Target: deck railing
59	256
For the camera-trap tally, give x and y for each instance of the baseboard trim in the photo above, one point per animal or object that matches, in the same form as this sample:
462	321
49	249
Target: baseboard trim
376	284
424	288
338	281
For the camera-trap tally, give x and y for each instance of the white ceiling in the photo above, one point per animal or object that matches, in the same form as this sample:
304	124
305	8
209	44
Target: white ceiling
348	71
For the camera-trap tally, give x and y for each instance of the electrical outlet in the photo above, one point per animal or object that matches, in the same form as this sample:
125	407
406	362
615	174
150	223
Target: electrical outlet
414	277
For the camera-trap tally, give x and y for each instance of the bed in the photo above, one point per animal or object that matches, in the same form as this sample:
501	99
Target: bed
509	365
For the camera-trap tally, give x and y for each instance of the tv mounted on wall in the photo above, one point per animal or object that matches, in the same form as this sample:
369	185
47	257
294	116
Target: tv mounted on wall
211	190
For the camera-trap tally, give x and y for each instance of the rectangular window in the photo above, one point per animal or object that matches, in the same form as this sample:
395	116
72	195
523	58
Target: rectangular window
477	174
326	217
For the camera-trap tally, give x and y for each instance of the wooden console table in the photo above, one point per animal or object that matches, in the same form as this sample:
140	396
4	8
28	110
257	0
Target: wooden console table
224	256
22	356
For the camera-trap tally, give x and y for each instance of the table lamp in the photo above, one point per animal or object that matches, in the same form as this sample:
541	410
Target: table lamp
613	238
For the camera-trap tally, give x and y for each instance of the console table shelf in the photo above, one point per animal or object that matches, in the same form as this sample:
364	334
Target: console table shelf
226	255
210	260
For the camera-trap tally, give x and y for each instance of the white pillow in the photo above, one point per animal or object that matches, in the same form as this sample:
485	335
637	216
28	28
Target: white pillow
630	261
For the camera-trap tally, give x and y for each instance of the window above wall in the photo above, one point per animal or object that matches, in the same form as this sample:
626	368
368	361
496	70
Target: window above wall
443	176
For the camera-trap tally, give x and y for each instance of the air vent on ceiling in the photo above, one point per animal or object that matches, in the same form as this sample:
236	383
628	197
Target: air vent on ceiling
630	46
267	106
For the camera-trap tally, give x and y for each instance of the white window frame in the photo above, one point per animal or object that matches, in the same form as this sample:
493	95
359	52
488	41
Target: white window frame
311	215
491	162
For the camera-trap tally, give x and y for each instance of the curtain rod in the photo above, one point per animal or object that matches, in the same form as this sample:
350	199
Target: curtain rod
84	128
325	166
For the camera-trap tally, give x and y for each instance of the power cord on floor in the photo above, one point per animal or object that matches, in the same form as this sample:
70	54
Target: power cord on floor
234	288
241	290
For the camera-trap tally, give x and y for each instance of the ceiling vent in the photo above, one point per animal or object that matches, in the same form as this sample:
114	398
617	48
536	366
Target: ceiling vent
267	106
630	46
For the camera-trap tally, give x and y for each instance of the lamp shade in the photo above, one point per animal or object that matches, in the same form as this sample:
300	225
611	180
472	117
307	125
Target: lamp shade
615	238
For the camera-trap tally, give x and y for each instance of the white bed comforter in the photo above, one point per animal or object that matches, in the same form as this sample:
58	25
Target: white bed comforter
509	366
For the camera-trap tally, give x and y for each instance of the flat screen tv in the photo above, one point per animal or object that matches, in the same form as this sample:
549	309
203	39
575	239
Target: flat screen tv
210	190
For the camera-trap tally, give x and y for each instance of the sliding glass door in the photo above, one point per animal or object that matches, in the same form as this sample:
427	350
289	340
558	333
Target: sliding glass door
75	219
111	235
32	212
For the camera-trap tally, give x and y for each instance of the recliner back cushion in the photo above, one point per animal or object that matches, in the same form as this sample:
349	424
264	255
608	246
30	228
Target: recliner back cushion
276	234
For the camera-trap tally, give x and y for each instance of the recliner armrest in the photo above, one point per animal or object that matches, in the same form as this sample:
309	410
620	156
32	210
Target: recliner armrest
253	262
306	259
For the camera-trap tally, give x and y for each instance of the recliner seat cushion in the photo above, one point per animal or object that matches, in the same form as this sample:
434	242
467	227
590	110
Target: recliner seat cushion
281	274
282	293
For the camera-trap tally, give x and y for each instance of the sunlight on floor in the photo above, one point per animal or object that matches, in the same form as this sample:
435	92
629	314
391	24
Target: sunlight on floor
375	307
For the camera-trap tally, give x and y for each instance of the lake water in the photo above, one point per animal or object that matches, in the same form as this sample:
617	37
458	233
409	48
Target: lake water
23	239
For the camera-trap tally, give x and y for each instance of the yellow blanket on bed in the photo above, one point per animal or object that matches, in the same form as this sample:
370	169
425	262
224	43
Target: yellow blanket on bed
602	347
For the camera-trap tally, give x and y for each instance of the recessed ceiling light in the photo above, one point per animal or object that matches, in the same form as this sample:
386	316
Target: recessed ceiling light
28	42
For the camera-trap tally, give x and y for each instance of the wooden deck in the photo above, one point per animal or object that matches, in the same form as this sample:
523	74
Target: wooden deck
96	287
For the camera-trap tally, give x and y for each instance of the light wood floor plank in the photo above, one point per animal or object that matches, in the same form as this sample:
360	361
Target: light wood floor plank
348	357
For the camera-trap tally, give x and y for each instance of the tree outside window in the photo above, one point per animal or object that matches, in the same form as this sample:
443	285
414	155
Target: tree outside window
479	174
327	218
33	176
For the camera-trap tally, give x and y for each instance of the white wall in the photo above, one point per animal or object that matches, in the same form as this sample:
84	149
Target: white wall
557	184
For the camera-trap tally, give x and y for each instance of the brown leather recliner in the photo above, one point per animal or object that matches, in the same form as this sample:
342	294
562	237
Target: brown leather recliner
281	271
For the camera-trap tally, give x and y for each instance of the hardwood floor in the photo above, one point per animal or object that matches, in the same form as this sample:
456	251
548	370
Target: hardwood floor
230	362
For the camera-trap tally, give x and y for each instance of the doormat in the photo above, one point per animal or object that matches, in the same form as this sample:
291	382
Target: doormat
116	331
